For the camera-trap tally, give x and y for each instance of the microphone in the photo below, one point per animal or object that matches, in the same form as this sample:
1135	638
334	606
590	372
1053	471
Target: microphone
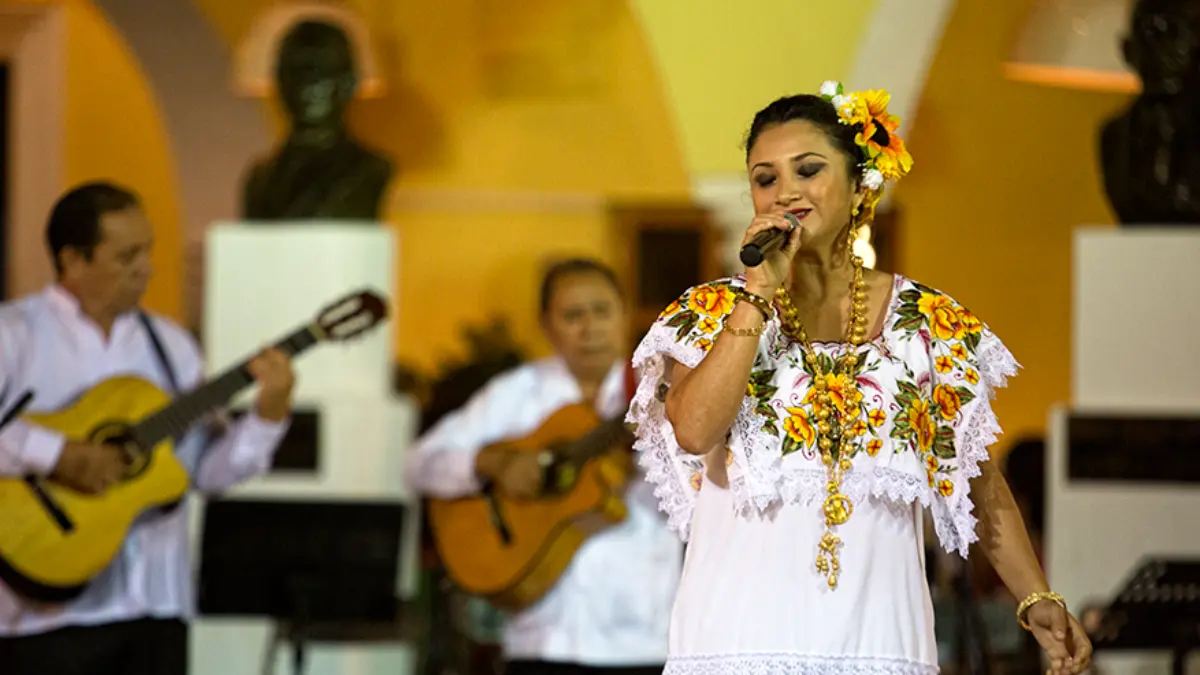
754	252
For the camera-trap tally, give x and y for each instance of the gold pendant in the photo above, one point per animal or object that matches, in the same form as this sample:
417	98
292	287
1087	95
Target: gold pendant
838	508
827	558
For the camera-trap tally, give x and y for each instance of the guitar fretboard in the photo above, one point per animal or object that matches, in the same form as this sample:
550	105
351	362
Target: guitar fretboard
598	440
175	419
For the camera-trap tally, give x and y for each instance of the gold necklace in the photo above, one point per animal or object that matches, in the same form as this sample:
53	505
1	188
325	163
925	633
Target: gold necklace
836	430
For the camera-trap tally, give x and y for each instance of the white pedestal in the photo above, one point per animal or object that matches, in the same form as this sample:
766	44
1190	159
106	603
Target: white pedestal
1136	317
264	281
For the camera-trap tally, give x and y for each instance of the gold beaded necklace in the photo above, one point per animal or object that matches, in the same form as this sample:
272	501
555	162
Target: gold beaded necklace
836	430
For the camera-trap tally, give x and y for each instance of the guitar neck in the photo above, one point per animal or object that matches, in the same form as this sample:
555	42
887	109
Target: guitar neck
597	441
175	419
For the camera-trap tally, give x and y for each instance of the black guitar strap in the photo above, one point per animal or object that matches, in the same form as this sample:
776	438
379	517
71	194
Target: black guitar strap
160	352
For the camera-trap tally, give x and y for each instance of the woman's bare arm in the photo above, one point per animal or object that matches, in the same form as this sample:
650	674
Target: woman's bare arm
703	402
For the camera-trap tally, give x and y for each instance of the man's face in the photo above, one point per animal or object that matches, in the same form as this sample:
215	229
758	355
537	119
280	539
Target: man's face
116	276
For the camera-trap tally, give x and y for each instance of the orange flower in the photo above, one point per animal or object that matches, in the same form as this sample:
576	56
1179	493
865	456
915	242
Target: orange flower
877	417
922	424
931	464
716	301
945	487
948	400
704	344
873	446
959	351
797	427
932	479
707	325
859	428
944	364
671	309
943	316
972	376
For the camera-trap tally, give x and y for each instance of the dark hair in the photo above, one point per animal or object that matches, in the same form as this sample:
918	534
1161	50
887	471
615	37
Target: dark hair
817	111
573	266
75	219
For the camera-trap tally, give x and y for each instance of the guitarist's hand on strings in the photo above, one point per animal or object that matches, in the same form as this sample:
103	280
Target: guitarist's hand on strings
273	371
87	468
518	475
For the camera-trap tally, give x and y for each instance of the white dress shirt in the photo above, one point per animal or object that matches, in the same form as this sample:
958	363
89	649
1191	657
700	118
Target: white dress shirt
612	606
48	346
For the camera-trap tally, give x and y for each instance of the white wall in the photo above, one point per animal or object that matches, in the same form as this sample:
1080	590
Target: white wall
1136	312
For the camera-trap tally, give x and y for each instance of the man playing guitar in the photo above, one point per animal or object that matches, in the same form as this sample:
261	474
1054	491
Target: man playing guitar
609	612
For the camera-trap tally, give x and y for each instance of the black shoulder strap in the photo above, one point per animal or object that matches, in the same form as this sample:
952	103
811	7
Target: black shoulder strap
159	351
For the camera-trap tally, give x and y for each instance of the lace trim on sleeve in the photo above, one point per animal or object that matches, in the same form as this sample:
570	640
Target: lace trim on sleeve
954	520
673	471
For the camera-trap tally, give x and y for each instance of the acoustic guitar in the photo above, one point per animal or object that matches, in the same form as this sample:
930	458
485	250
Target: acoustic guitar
513	551
54	540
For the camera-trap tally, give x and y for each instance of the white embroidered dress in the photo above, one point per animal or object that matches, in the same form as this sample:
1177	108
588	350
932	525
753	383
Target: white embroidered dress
751	600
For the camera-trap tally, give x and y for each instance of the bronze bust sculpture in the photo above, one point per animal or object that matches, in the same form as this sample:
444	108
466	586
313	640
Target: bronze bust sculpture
319	172
1150	153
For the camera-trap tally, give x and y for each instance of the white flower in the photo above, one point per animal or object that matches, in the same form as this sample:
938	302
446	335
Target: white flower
872	179
829	88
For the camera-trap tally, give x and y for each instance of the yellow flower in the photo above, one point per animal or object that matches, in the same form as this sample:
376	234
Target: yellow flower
836	384
877	417
970	322
972	376
704	344
797	427
943	316
671	309
697	480
932	478
948	400
859	428
707	325
879	137
959	351
945	487
715	301
873	446
931	463
922	424
728	457
944	364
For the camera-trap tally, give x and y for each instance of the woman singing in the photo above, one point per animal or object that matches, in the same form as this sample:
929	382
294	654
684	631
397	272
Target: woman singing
797	419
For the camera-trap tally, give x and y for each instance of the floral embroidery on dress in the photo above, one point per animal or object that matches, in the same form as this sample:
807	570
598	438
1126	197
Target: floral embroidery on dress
926	385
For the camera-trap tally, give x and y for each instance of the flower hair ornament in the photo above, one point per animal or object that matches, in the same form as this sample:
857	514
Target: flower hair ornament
886	157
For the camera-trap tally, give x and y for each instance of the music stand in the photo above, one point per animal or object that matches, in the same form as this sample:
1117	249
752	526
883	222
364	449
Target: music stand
1158	609
301	562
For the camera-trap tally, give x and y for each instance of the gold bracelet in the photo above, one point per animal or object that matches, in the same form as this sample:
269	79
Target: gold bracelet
1035	598
744	332
760	303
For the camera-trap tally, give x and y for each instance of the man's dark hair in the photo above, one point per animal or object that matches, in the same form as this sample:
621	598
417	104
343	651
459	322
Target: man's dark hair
572	267
75	219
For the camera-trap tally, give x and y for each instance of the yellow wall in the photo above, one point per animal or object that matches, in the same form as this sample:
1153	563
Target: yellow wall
721	61
114	131
612	136
1003	173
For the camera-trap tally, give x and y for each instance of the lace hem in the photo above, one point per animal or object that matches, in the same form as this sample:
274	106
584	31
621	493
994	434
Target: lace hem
955	522
655	444
794	664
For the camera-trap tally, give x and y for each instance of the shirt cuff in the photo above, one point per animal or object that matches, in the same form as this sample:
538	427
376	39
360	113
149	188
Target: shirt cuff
258	430
42	449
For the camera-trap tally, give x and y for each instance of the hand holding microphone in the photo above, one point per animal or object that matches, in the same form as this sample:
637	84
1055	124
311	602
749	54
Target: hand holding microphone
768	247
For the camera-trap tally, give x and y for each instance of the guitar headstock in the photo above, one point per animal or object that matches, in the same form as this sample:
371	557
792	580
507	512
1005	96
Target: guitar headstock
351	316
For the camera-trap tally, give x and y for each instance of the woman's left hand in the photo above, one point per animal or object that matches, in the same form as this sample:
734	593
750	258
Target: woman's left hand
1061	637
